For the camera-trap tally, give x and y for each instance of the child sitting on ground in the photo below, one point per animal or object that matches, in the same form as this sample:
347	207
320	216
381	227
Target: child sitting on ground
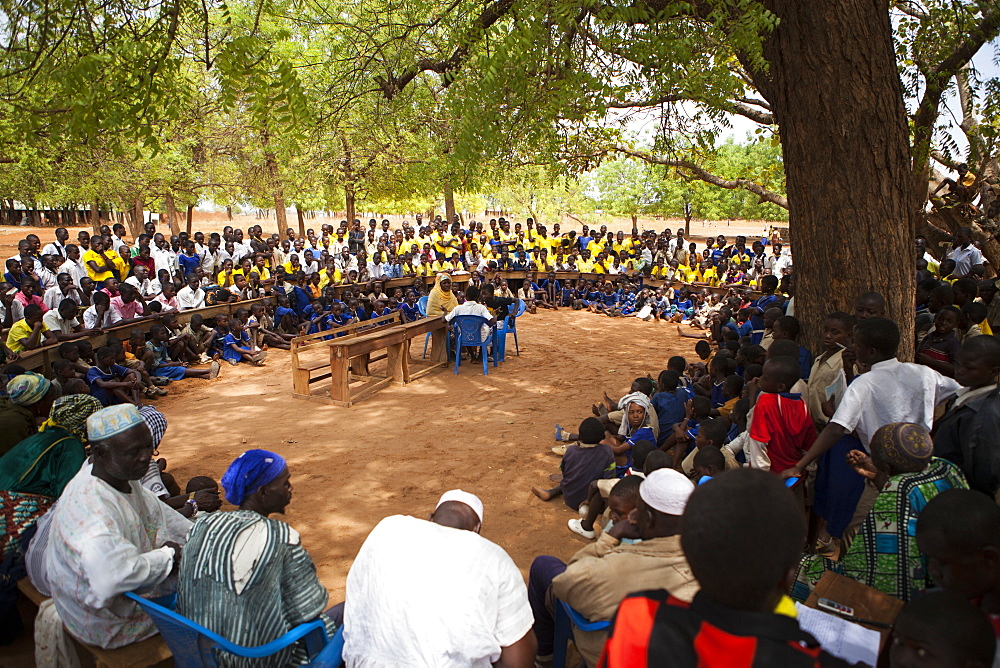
199	336
709	462
584	462
63	371
600	490
713	431
161	366
111	383
260	325
237	347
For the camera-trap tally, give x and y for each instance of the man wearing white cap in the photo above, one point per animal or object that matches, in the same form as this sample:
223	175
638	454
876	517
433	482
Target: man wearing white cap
602	573
436	593
109	535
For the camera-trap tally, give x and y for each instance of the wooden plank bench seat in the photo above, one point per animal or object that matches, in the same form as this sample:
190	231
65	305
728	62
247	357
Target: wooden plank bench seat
143	654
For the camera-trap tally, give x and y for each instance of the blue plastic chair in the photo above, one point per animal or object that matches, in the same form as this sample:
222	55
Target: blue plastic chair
467	330
566	619
193	645
422	307
509	326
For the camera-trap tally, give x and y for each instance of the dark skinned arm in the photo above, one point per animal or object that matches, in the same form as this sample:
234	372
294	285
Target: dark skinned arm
519	655
827	438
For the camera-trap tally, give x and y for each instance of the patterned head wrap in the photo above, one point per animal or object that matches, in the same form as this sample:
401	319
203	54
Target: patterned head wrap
249	472
71	412
157	423
28	388
904	446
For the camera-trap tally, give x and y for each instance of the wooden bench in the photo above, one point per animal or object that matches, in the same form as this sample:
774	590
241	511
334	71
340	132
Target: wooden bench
149	652
301	346
437	328
346	349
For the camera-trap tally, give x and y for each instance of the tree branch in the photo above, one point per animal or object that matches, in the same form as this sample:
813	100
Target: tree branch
706	176
738	107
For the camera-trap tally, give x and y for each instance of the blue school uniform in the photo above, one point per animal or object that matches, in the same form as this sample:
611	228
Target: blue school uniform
188	263
757	329
230	339
628	304
357	314
609	301
716	396
115	373
669	411
764	302
15	282
641	434
385	311
805	362
299	299
281	311
410	313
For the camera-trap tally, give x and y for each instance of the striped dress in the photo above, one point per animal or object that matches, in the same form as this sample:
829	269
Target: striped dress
249	579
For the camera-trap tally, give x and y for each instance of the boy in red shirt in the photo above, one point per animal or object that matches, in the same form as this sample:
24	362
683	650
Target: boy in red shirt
781	430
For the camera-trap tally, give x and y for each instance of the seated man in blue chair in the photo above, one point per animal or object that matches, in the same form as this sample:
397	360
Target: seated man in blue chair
109	535
246	576
473	306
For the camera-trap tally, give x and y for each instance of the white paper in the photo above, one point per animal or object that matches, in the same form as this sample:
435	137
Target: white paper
837	388
841	638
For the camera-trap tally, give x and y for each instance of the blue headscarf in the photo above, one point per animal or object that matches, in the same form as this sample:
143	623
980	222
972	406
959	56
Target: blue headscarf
249	472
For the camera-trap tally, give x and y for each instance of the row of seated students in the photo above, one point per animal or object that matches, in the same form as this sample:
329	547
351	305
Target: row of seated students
662	571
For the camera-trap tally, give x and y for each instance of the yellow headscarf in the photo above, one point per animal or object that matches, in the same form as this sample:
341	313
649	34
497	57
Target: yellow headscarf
439	301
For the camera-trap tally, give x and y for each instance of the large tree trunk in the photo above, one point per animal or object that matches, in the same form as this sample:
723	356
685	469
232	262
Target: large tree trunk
845	146
95	217
173	218
449	202
135	218
190	219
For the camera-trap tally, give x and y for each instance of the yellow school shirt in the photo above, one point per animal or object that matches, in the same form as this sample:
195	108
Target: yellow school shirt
690	275
220	279
585	266
20	330
94	256
710	276
594	247
410	269
324	278
659	272
599	268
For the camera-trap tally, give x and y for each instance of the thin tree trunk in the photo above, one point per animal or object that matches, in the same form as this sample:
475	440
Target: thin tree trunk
229	213
349	203
846	152
135	218
449	202
190	218
95	217
302	222
278	190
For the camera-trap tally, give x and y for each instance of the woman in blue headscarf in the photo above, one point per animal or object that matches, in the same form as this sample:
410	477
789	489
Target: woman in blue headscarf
246	576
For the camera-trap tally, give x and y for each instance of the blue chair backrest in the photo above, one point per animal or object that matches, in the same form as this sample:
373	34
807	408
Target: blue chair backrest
192	644
422	305
468	329
520	308
581	622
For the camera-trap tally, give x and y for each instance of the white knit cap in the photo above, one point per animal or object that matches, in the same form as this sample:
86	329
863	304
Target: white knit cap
666	490
471	500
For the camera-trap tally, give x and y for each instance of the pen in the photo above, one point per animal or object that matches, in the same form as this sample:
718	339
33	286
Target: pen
869	622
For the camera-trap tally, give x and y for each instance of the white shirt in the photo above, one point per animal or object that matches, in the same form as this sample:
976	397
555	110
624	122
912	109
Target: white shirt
211	262
188	298
92	321
240	251
892	391
420	594
56	323
164	259
103	543
74	269
55	248
47	278
965	259
17	311
351	263
55	295
472	308
147	287
116	245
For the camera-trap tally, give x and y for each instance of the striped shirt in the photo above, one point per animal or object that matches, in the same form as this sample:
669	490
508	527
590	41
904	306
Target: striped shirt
249	579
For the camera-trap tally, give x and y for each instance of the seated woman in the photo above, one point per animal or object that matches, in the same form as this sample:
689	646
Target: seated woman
441	299
884	554
246	576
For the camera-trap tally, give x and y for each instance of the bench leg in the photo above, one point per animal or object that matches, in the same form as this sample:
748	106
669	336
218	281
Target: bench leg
396	363
340	369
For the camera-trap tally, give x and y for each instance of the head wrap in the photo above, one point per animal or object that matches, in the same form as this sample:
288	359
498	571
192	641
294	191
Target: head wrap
156	422
249	472
28	388
439	301
112	420
71	412
471	500
635	398
904	446
666	490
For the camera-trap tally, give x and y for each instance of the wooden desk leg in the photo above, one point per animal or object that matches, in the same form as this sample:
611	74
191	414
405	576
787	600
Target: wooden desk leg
396	363
339	377
359	365
439	346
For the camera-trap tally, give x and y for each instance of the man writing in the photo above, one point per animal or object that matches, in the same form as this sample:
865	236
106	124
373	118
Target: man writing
436	593
109	535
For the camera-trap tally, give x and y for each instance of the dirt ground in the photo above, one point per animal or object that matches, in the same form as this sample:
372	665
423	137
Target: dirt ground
397	451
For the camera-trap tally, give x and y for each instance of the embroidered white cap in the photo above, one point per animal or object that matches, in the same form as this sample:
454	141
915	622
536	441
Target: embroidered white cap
468	499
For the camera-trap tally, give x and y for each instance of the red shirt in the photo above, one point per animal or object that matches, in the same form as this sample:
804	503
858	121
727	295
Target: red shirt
782	422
